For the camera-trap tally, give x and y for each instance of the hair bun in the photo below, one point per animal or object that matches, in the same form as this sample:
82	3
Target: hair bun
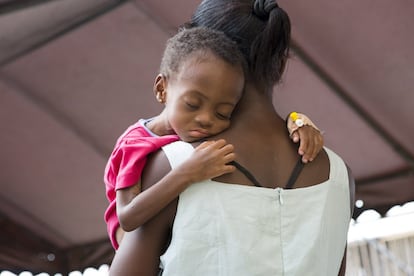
262	8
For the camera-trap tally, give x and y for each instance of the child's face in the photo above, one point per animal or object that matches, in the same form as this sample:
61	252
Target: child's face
201	97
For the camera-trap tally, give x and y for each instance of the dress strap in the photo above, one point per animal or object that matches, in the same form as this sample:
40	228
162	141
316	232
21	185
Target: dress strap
178	152
291	182
246	173
295	174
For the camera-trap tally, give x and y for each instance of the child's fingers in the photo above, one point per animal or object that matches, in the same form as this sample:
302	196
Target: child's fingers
229	157
227	150
305	144
318	144
227	167
295	136
205	144
304	141
221	147
313	146
217	144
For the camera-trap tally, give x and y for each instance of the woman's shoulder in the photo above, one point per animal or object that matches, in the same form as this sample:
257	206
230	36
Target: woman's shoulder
160	162
157	167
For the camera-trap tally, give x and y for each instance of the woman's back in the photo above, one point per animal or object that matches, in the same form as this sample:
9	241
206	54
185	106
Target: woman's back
310	219
231	229
263	147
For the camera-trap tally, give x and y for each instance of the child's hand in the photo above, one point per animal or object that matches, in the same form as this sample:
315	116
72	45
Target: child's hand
311	142
302	129
209	160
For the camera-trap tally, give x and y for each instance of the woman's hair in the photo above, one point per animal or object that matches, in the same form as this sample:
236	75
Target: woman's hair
199	41
260	28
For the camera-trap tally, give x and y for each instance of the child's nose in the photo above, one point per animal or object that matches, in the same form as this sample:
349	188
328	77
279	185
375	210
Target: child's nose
204	119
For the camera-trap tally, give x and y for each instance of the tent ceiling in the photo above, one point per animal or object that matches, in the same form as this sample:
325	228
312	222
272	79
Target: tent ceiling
75	73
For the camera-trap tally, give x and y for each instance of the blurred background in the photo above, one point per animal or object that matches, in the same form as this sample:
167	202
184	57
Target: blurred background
75	73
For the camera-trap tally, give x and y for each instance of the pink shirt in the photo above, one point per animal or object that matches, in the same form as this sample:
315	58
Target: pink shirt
125	166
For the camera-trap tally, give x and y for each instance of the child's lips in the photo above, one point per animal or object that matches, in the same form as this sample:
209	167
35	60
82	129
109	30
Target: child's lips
198	133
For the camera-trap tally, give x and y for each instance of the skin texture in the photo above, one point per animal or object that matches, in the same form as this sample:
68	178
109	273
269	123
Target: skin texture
310	142
139	254
199	101
254	120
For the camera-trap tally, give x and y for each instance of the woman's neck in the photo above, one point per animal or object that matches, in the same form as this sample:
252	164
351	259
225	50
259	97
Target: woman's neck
255	107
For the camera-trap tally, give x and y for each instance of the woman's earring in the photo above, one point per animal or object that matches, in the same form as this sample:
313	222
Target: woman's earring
160	97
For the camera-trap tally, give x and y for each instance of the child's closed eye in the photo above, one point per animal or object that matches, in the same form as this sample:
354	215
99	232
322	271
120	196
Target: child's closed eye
192	106
223	116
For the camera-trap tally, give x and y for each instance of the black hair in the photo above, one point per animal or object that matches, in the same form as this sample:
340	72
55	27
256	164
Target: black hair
200	40
260	28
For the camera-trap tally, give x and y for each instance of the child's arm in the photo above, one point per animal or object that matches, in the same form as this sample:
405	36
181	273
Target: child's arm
140	250
302	129
209	160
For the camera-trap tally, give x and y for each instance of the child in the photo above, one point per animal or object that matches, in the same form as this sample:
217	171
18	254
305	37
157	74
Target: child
200	82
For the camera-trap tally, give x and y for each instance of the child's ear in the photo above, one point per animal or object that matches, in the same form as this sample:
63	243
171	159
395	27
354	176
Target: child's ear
160	86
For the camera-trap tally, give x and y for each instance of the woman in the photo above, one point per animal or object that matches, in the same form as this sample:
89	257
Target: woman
228	226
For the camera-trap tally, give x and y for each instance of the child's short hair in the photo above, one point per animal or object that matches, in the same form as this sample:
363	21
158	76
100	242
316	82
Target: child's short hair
199	39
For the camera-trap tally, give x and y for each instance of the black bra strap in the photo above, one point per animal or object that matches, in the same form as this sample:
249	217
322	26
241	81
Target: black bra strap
295	173
246	173
292	179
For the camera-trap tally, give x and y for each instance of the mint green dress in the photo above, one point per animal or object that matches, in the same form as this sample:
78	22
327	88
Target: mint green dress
236	230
